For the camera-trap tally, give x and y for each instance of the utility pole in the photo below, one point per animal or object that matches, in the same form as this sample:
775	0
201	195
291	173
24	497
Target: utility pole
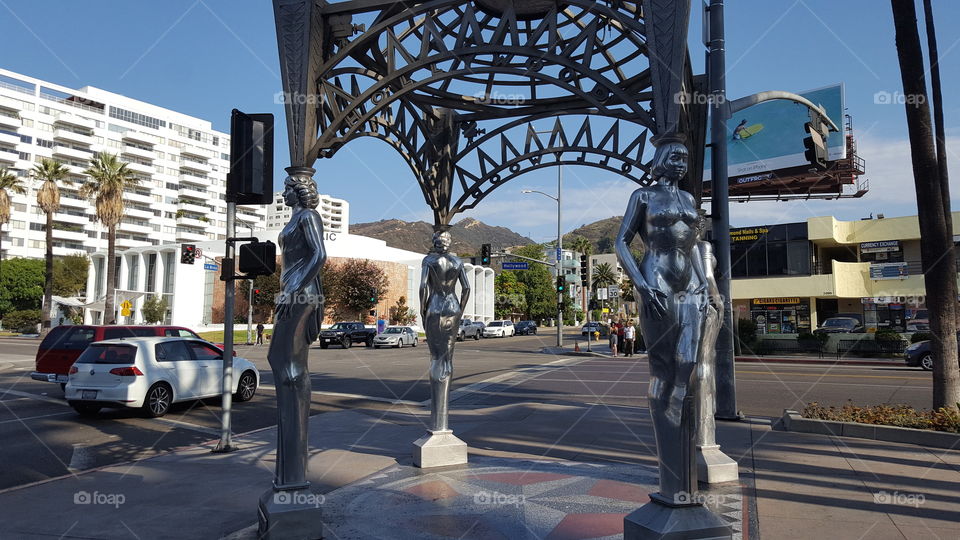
230	287
560	253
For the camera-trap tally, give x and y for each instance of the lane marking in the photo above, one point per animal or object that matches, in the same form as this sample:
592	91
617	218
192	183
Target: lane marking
354	396
905	387
5	391
838	375
187	425
33	417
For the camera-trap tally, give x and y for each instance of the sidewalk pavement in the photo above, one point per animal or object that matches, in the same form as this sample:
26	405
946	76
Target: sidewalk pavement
792	485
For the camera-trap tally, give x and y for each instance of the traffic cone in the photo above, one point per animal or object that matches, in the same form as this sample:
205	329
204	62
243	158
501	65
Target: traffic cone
576	346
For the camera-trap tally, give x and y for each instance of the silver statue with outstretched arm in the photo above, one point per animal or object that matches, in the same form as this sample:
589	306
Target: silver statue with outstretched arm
441	311
671	289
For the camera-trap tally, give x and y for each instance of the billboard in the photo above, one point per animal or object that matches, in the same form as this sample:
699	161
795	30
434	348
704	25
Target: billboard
769	136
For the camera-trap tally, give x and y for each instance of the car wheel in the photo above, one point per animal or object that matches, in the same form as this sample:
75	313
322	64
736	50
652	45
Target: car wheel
86	409
324	345
346	342
476	337
370	342
63	387
534	331
158	400
247	387
926	362
415	340
399	343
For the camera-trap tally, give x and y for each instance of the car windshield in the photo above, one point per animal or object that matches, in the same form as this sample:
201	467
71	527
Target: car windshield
339	326
495	323
838	323
108	354
393	331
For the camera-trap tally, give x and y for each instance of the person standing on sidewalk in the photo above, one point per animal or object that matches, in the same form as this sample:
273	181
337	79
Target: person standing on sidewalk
259	333
629	334
620	338
612	336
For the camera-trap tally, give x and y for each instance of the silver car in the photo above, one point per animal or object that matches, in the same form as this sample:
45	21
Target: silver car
396	336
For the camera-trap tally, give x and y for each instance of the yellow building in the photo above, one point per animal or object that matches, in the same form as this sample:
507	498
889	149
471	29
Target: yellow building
788	277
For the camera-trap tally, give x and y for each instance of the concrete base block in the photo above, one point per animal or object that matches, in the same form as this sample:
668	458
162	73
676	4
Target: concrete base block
439	449
656	521
715	467
290	515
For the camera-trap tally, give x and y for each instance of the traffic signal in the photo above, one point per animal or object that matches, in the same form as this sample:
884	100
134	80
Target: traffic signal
815	144
561	284
258	258
485	254
250	180
583	270
373	295
188	253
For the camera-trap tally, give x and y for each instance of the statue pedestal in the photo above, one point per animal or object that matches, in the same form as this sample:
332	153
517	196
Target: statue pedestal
290	515
714	467
439	449
659	521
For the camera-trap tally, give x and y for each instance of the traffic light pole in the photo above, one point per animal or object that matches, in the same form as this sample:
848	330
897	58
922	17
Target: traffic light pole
230	287
560	256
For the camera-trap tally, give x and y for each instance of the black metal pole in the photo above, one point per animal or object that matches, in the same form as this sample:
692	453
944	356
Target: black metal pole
720	212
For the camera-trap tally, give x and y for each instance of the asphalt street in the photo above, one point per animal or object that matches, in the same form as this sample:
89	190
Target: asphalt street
44	438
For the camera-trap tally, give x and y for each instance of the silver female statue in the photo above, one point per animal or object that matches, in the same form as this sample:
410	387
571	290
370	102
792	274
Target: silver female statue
441	311
299	313
707	389
671	289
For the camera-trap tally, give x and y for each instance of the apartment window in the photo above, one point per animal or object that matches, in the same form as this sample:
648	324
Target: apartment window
169	265
224	156
16	223
98	271
25	156
27	122
26	139
37	244
18	242
137	118
42	126
44	143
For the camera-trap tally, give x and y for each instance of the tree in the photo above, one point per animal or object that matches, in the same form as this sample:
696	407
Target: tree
401	313
583	246
51	173
264	301
510	295
352	286
933	202
21	285
154	309
70	274
9	184
539	289
603	276
109	177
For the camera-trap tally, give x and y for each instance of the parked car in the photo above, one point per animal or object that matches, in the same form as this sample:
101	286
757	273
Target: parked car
920	354
151	373
837	325
469	328
499	329
526	328
346	334
396	336
64	344
594	326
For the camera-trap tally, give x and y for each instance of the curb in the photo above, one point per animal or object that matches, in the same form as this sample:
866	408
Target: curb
816	361
564	352
793	421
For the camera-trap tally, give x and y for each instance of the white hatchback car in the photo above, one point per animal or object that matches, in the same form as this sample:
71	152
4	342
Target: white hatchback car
499	329
151	373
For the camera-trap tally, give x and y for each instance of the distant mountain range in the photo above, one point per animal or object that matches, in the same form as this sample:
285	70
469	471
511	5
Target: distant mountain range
600	233
467	234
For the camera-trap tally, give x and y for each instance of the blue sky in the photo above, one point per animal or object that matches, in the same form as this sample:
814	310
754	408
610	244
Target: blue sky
206	57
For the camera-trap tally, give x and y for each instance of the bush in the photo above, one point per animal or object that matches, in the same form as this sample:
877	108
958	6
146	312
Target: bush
24	321
822	337
920	336
886	334
943	419
746	332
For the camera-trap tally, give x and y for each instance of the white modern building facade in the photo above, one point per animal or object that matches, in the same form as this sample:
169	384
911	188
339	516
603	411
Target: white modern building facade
181	163
189	288
334	212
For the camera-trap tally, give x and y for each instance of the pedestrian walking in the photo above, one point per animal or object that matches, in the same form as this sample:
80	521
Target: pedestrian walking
259	333
612	336
629	334
620	338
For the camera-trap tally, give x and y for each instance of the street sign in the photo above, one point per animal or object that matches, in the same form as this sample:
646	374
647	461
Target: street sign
559	254
210	266
613	291
198	252
126	308
606	310
515	266
602	293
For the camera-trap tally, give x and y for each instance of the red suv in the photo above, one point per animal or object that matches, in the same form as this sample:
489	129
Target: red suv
64	344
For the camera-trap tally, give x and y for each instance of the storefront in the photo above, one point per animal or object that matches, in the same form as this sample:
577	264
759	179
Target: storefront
780	315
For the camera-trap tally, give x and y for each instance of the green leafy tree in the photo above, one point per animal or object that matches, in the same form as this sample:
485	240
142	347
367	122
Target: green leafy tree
603	276
264	301
21	285
353	287
9	184
539	288
109	177
70	275
25	321
510	294
154	309
51	174
401	313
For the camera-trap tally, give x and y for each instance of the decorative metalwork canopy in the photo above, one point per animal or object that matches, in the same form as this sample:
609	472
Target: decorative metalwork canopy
455	87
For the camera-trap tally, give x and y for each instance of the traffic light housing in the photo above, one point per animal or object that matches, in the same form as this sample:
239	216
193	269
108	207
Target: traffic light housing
485	253
258	258
815	144
188	253
584	278
374	295
561	284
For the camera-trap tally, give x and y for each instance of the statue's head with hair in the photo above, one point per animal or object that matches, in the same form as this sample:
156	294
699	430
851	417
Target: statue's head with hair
442	240
305	190
670	160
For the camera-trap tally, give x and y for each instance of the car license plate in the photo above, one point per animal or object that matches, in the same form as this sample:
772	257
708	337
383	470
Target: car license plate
88	394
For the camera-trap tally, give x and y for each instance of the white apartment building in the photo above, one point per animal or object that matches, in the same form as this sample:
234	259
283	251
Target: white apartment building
334	212
180	160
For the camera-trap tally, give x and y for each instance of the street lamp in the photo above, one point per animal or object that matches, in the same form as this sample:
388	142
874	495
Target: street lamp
559	265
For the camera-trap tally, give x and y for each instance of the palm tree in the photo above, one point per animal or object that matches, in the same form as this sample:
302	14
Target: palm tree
9	183
603	275
581	245
108	178
52	174
933	202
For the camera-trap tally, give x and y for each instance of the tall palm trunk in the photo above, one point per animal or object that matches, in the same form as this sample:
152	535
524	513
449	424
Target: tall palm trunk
109	311
936	236
48	279
935	91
